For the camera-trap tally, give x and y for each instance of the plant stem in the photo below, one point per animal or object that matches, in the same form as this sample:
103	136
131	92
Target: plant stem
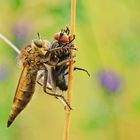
9	43
70	78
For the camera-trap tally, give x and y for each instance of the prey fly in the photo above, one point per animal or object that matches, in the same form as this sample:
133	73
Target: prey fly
63	40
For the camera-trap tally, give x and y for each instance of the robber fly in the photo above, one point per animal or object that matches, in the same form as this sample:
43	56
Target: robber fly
34	58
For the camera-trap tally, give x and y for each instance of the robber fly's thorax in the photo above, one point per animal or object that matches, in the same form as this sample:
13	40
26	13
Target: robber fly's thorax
35	54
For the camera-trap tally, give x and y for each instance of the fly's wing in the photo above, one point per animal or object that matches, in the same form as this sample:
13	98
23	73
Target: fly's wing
24	92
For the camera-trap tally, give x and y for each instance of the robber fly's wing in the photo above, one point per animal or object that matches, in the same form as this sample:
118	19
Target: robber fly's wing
24	92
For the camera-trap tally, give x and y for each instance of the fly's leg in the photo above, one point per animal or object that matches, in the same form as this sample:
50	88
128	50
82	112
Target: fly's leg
44	85
65	61
67	30
61	48
81	69
71	38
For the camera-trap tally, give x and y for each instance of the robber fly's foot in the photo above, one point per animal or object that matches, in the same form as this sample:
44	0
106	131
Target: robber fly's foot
70	108
66	102
57	96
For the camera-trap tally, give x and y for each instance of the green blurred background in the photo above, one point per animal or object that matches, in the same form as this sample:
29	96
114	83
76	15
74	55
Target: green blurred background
107	105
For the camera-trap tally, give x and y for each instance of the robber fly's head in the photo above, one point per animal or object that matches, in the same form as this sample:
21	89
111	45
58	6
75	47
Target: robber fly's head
41	45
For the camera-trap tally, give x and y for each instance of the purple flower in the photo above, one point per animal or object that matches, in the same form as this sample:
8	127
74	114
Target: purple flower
20	32
4	72
109	80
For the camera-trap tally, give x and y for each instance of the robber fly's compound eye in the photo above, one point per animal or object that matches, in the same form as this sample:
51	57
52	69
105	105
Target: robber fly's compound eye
62	37
38	43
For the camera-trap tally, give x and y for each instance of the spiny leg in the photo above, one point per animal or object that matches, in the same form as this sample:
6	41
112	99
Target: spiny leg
81	69
45	80
39	77
52	94
42	85
59	96
65	61
71	39
45	77
61	48
67	30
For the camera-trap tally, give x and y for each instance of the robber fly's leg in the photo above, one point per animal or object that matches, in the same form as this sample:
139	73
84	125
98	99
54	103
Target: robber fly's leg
42	86
45	80
61	48
39	77
45	74
60	96
65	61
56	96
81	69
77	68
71	39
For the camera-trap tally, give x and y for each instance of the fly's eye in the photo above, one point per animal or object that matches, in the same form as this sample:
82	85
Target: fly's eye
62	37
38	43
56	36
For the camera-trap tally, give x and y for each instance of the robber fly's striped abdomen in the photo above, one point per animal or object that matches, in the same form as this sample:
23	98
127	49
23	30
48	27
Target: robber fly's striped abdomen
24	92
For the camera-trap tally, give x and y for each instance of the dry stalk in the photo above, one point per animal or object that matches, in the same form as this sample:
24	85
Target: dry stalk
9	43
70	78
